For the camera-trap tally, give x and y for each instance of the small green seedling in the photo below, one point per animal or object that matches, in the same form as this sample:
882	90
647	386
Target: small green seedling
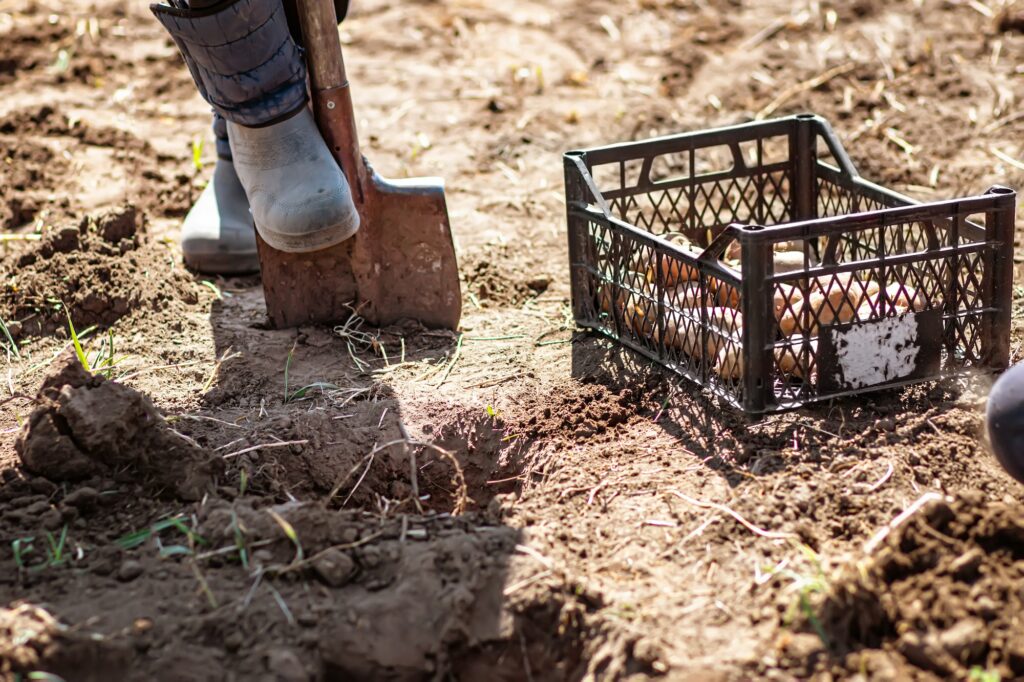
302	392
243	550
21	548
807	585
289	531
140	537
63	61
79	352
42	676
104	360
214	288
9	345
287	367
55	547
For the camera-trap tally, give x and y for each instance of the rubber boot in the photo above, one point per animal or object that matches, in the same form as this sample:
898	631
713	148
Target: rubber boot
299	198
217	236
248	67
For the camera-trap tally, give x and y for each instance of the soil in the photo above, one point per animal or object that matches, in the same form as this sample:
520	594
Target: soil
517	500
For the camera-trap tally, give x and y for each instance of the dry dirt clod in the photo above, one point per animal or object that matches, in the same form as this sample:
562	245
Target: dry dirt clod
85	425
83	497
129	571
286	666
334	567
52	519
965	641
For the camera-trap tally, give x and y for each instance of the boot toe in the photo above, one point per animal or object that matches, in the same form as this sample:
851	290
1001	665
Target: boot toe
309	218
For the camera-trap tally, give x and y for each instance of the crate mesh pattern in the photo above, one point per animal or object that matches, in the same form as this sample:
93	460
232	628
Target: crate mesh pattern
755	261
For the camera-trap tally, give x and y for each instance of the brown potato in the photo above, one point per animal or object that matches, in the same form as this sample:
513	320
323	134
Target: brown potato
839	305
718	294
672	272
734	251
790	359
787	298
729	363
871	310
641	315
684	332
607	291
789	261
907	297
605	298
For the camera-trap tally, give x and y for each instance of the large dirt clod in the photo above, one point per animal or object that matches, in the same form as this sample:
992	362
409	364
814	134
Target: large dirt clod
98	269
85	425
940	597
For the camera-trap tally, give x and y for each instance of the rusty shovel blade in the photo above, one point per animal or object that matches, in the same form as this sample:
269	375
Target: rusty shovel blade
400	265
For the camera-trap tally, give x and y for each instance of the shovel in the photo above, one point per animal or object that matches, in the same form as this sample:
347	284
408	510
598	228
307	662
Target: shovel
401	263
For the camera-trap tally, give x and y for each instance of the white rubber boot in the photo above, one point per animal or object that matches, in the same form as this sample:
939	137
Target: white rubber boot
299	198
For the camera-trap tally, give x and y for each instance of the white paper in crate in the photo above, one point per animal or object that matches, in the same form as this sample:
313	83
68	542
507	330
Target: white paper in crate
878	352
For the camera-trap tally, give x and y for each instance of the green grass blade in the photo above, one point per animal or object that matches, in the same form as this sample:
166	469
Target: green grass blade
11	346
174	550
289	531
214	288
301	393
78	344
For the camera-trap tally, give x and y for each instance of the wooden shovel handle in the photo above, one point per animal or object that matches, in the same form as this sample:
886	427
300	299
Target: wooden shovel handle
332	97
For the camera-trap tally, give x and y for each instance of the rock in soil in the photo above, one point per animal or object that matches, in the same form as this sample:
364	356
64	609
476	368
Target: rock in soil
84	425
130	570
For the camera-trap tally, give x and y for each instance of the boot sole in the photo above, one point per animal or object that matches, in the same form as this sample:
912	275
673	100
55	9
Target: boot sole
243	263
317	241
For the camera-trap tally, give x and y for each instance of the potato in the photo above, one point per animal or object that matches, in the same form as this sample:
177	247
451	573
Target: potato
641	316
605	296
789	261
787	298
846	280
734	251
840	304
790	359
684	331
718	294
607	291
871	310
907	297
672	272
729	363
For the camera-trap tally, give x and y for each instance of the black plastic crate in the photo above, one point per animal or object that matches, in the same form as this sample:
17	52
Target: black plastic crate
757	262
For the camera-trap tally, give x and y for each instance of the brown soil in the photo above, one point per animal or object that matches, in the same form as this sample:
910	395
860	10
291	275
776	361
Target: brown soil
941	597
516	500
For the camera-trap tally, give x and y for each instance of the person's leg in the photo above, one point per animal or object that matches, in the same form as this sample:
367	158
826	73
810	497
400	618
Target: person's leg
247	65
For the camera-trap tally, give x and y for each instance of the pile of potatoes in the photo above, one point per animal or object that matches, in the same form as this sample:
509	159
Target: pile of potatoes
829	299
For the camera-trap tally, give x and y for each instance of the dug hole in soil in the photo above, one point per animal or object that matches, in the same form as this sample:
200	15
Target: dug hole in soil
517	500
